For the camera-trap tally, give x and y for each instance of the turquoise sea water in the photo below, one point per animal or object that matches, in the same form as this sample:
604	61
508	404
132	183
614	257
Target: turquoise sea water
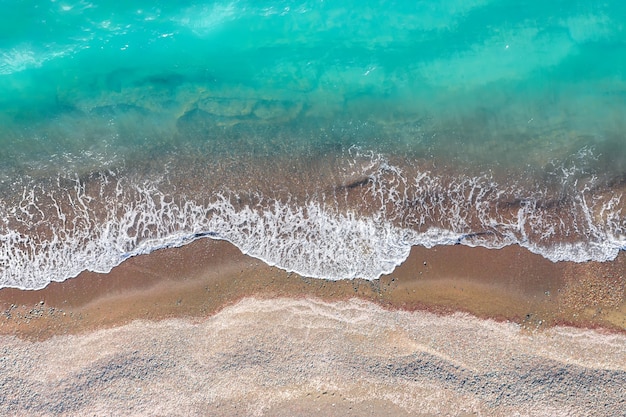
324	137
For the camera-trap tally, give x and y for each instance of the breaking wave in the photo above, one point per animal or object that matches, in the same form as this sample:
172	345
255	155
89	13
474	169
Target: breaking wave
364	229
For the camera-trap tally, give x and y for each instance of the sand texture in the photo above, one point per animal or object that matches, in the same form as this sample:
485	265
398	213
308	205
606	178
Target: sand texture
201	278
285	357
205	330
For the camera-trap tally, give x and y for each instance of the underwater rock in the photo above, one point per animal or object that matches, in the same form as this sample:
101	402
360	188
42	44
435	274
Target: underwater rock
227	107
273	110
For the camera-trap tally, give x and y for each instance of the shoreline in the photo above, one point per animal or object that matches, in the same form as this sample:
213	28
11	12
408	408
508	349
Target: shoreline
285	357
203	277
205	330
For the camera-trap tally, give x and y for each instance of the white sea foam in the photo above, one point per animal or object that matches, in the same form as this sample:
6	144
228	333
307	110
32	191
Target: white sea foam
54	235
204	19
311	240
25	57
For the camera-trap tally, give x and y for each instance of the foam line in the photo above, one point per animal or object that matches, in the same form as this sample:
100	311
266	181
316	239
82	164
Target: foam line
315	238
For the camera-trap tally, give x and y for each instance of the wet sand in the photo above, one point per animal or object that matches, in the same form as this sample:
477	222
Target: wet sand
200	279
452	331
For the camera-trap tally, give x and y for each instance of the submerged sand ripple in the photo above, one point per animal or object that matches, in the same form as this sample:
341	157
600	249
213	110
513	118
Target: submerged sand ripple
308	357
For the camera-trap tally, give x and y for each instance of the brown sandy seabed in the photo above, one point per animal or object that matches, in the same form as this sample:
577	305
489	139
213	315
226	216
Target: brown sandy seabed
206	330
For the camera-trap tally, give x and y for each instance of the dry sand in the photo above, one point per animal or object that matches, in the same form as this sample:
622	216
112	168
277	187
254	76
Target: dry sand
285	357
205	330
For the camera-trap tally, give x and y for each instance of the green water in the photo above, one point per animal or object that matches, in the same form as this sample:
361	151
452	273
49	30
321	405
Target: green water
530	90
468	78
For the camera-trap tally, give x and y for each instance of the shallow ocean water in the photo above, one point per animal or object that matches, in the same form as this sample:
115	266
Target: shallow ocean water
326	138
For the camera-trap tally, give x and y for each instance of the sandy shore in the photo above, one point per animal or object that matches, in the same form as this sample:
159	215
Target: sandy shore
205	330
200	279
286	357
